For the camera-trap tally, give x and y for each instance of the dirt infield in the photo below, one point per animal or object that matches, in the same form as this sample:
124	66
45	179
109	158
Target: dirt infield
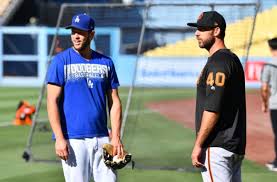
259	132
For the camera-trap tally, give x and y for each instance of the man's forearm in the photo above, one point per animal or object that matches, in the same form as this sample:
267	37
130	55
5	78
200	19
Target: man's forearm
264	93
116	117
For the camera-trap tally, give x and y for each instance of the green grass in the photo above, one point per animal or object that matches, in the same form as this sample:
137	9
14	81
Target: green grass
153	140
10	97
158	176
13	168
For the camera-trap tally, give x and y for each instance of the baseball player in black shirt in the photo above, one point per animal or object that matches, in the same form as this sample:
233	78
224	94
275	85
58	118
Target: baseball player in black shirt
220	105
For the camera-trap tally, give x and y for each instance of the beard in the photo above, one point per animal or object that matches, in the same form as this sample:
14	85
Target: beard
83	46
207	44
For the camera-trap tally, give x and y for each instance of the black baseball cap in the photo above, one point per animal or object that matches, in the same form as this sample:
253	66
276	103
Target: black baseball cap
272	43
82	22
210	19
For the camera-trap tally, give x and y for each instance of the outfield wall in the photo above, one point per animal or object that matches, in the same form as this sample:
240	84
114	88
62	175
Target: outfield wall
154	71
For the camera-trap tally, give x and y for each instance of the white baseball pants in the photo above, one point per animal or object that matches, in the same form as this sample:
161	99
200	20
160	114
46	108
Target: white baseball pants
85	161
221	165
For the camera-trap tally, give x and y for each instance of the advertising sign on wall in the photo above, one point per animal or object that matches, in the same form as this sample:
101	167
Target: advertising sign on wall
253	70
168	71
183	72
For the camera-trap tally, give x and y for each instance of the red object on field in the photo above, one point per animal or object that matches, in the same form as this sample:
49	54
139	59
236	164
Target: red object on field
24	113
253	70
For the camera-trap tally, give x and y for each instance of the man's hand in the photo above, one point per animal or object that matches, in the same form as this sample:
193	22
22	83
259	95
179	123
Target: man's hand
115	162
61	147
196	156
117	146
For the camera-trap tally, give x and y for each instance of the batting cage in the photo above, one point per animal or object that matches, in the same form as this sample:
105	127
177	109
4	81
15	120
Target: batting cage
157	60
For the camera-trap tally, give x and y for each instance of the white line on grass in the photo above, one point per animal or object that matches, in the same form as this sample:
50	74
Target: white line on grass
151	93
145	111
132	112
4	124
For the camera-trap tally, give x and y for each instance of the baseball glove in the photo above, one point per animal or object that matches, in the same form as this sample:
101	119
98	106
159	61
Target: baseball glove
114	162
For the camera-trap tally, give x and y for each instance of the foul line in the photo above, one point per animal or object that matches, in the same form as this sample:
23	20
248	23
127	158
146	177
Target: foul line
5	124
134	112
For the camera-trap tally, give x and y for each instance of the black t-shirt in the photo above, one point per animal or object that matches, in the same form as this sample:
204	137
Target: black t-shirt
221	89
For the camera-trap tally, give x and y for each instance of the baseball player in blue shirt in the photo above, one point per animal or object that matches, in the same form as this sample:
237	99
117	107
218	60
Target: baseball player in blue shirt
78	82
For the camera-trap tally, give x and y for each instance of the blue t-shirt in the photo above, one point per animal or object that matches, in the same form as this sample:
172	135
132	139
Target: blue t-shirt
84	85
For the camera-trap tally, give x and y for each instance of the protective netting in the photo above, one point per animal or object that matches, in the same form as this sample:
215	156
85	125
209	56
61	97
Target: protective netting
157	60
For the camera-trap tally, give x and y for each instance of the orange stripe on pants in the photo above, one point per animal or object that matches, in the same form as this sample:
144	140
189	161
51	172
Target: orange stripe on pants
209	165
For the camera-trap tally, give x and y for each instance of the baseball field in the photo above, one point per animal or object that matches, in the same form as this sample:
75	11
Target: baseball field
160	141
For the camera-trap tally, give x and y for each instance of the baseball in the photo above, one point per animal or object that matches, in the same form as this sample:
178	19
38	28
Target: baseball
117	159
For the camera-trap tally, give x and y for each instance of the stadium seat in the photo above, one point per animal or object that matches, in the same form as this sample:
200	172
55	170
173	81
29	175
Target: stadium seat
237	37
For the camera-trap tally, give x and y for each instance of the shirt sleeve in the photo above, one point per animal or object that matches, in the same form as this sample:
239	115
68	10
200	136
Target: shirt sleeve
265	74
216	80
55	74
113	80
